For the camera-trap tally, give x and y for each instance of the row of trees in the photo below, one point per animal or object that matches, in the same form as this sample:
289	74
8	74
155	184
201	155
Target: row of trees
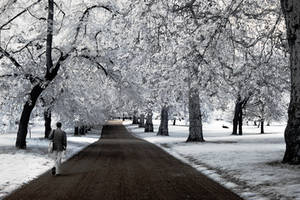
189	39
89	60
48	61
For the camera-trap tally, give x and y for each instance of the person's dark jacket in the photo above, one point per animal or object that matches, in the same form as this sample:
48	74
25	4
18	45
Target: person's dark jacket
59	139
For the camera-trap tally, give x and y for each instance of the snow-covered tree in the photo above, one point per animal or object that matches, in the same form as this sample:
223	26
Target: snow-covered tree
291	10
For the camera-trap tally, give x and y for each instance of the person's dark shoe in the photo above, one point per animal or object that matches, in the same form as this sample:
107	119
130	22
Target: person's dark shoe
53	171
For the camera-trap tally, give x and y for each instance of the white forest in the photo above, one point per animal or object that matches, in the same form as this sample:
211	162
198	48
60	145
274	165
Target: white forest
214	83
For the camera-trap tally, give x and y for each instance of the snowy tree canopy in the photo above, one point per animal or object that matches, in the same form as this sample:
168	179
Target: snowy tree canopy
86	61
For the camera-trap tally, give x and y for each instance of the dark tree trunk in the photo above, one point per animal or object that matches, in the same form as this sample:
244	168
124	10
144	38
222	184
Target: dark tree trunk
135	119
236	117
25	116
142	121
49	62
195	118
47	118
240	120
291	11
262	126
262	119
174	122
255	124
81	130
149	123
76	130
163	127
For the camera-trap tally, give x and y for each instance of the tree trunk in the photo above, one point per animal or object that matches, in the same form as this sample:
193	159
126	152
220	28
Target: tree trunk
240	121
262	126
51	73
236	117
47	118
149	123
185	113
135	119
81	130
142	121
174	122
25	116
195	118
76	130
163	127
291	11
262	119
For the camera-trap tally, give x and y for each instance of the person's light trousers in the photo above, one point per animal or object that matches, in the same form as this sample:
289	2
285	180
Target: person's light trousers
57	158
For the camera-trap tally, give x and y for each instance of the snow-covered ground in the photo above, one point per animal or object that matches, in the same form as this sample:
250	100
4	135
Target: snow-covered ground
250	164
20	166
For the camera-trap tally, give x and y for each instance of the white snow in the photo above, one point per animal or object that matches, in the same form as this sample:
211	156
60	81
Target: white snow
20	166
250	165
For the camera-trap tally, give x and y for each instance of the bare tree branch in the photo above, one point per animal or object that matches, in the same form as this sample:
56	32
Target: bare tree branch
99	66
12	59
19	14
85	14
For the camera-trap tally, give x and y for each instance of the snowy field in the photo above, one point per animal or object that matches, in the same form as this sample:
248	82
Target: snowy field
250	165
20	166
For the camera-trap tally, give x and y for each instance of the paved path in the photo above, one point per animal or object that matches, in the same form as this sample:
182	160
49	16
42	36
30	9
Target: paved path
122	167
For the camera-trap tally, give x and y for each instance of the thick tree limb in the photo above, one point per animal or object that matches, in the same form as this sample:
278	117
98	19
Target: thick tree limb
49	62
33	79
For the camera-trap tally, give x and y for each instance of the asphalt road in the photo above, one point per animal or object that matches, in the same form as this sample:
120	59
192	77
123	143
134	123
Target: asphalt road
122	167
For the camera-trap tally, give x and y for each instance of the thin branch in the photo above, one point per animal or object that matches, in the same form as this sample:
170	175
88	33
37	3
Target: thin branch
97	45
8	75
188	5
63	13
19	14
30	77
12	59
99	66
22	48
85	14
39	18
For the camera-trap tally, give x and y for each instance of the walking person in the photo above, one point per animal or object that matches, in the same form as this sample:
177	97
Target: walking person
59	139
